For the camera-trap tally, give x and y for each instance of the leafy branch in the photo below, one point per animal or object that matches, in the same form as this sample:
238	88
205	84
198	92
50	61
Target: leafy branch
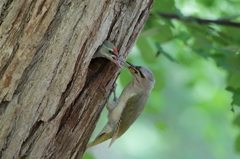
199	20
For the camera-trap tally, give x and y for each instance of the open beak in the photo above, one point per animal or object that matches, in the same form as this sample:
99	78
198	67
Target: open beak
132	68
118	59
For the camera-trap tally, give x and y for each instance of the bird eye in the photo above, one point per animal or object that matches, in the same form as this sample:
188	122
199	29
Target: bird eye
138	67
111	52
141	74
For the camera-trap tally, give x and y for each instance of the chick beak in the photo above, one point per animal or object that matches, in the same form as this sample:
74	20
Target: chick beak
116	57
116	61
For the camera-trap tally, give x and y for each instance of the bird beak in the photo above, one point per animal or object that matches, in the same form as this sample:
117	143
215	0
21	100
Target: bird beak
132	68
123	62
118	59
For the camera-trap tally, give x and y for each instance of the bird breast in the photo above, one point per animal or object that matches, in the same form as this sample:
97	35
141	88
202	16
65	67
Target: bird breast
115	114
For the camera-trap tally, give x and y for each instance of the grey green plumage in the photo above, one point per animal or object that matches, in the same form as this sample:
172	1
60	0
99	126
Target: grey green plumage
109	51
123	113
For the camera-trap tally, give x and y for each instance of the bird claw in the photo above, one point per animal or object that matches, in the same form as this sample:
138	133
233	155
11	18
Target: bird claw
104	92
110	105
115	98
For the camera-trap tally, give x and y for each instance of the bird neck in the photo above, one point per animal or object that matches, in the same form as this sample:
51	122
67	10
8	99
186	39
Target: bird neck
97	54
141	84
136	85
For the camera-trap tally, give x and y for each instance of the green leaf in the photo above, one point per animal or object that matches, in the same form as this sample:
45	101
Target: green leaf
234	62
151	32
236	99
179	13
184	36
164	34
198	33
231	17
202	53
236	95
237	120
167	6
220	39
225	52
157	29
237	144
230	89
233	34
167	55
221	61
206	3
233	80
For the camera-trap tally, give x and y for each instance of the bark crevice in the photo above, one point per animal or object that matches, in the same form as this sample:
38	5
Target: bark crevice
50	90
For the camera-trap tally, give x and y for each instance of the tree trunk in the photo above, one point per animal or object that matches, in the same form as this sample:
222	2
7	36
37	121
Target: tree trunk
50	94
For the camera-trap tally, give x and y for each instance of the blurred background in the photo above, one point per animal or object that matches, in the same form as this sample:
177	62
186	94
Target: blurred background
193	110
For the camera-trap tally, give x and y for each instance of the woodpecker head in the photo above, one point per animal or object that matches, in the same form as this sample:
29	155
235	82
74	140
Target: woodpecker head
142	75
109	51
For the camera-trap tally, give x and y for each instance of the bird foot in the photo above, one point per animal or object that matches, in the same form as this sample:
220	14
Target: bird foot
115	98
110	105
105	96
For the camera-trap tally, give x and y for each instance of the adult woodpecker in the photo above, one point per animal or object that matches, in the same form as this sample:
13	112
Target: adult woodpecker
127	108
109	51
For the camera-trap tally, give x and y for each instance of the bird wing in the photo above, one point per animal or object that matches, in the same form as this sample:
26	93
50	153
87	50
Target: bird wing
131	102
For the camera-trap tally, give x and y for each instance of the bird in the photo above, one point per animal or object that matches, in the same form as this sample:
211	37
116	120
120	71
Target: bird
124	111
109	51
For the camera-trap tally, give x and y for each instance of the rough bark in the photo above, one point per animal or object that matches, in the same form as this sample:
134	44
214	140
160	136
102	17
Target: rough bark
50	90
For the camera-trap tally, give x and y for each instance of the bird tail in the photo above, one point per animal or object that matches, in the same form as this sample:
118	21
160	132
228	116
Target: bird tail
104	135
115	133
113	140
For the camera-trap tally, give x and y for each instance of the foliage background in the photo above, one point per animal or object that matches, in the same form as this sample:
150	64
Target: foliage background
196	66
